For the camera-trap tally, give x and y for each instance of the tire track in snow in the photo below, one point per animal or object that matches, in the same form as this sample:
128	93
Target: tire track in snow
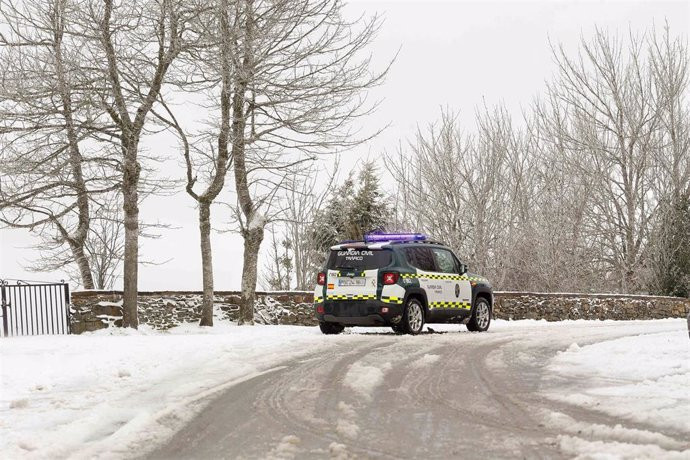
482	398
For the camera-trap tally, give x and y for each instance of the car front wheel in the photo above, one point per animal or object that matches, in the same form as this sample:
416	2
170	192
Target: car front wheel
481	316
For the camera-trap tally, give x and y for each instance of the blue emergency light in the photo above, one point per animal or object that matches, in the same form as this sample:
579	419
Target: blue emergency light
381	237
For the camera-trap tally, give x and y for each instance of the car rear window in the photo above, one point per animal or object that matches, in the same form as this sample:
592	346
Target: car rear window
360	258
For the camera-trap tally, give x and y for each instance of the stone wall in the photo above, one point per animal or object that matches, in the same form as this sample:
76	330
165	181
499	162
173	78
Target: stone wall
557	307
93	310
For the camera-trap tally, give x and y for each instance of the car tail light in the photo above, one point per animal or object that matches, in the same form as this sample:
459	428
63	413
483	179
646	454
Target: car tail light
321	279
390	278
320	309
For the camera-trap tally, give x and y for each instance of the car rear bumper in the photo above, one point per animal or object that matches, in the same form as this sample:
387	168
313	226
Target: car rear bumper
360	313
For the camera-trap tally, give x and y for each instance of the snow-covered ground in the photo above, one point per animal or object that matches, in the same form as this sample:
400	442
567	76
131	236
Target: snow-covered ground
111	393
639	379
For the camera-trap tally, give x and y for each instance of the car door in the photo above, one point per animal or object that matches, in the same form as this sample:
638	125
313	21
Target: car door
422	258
457	292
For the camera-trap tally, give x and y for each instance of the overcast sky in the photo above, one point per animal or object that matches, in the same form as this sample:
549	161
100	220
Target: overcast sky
452	54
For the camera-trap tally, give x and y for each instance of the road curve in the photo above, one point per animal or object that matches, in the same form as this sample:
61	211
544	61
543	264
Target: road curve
450	395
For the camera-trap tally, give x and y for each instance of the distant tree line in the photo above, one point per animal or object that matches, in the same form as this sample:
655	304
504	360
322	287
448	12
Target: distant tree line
589	191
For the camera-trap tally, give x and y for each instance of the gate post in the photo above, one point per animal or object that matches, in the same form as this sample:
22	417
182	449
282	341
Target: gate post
3	296
67	306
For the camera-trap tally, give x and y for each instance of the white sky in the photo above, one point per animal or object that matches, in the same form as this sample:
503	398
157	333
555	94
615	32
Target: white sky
452	54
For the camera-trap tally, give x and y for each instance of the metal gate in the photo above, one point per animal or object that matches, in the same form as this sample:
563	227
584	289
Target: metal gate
34	308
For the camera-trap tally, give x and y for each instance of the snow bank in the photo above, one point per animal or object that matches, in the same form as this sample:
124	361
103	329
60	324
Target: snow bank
600	450
617	434
643	378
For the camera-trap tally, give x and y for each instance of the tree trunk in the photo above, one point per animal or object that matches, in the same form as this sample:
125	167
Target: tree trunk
252	242
83	264
81	233
206	264
130	194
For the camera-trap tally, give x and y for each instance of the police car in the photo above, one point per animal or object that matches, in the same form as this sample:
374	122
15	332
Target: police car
401	281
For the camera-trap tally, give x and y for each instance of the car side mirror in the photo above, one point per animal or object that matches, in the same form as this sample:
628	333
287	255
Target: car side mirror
463	269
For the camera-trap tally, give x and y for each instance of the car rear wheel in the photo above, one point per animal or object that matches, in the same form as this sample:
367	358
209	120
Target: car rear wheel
331	328
413	318
481	316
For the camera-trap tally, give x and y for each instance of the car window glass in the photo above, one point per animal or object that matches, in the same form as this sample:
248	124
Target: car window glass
361	259
445	261
458	265
421	258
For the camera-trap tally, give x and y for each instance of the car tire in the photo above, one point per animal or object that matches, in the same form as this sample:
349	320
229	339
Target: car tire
481	316
413	318
331	328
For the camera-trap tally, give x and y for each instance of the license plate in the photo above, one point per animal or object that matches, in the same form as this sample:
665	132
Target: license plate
351	282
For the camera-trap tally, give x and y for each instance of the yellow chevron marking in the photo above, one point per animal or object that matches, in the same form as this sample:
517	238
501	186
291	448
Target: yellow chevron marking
433	276
391	299
463	305
351	297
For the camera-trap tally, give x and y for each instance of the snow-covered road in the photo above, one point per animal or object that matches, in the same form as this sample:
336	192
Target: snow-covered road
525	389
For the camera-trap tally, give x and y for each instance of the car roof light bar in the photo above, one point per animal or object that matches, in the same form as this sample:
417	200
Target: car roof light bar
382	237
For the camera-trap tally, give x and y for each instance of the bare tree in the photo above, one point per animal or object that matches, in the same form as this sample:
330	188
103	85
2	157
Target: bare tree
426	172
299	84
207	155
668	58
556	250
278	267
54	161
454	186
103	248
105	244
133	48
294	238
304	198
667	256
613	115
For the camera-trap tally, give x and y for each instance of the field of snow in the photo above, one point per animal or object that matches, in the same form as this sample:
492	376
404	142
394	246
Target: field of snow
639	379
645	378
114	392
